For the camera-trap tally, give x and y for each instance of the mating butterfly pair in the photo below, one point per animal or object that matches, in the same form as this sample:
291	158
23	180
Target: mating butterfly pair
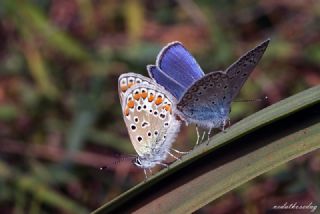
178	88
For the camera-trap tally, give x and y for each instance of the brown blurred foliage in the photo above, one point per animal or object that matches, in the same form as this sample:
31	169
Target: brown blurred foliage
60	118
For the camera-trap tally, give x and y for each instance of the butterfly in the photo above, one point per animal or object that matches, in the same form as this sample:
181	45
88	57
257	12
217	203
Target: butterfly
148	112
202	99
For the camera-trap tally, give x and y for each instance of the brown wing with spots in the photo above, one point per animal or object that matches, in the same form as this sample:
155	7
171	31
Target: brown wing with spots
239	71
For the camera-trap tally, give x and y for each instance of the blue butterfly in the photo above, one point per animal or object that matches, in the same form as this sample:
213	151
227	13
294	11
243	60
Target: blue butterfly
202	99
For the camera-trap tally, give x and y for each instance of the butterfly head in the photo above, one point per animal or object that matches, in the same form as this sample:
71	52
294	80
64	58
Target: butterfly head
145	162
137	162
142	162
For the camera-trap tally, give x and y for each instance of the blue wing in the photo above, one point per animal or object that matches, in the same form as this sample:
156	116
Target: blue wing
171	85
176	61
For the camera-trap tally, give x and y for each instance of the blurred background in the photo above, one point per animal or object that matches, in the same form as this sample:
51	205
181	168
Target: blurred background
60	116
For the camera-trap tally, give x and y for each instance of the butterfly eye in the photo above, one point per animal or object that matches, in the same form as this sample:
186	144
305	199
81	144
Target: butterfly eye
137	162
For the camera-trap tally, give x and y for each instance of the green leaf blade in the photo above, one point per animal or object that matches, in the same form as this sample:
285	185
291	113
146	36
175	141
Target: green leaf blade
253	146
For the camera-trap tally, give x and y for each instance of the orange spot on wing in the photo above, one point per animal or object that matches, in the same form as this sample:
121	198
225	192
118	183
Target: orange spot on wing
130	104
151	97
167	108
123	88
126	111
130	84
136	96
144	95
158	101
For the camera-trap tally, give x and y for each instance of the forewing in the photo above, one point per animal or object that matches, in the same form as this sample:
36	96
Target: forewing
239	71
176	61
170	84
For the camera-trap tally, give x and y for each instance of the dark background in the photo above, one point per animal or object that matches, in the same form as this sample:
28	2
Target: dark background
60	116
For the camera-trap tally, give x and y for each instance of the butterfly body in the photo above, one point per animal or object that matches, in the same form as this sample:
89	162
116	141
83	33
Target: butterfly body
203	99
148	115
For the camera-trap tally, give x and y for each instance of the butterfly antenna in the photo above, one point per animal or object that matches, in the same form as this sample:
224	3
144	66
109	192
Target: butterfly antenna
252	100
116	162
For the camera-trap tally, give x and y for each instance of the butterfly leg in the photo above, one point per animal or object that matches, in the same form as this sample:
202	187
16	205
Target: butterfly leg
224	123
150	171
204	133
209	136
163	164
179	152
172	155
145	174
198	135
